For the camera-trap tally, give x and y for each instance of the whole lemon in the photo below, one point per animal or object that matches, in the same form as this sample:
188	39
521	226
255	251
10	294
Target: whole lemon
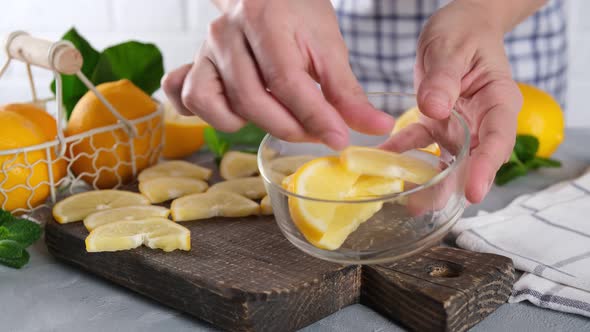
542	117
24	176
104	159
183	135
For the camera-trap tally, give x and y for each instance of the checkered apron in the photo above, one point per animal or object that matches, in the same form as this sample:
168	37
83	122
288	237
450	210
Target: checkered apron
382	37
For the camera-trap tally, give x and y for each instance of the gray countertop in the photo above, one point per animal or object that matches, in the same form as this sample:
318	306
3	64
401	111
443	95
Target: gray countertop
47	295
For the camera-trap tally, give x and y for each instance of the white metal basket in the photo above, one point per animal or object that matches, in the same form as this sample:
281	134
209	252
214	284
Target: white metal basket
29	172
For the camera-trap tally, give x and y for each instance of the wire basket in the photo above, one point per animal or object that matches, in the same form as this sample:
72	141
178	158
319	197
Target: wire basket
35	176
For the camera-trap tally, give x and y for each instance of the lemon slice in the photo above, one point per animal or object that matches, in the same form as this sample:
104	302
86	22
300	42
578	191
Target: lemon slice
175	168
212	204
321	178
162	189
265	206
251	187
289	165
153	232
409	117
236	164
79	206
377	162
103	217
368	186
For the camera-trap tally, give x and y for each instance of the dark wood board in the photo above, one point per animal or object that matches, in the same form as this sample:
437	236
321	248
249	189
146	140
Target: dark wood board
243	275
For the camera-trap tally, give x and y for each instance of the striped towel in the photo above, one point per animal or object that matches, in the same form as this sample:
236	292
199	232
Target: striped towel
547	235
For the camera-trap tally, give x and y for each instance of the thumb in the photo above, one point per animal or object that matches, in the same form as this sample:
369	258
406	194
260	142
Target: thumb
342	90
440	85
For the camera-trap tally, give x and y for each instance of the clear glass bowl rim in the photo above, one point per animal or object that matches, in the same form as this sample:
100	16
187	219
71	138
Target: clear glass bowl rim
436	179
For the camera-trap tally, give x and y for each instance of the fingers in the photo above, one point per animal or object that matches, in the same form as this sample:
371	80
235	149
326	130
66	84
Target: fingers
203	94
414	136
496	135
172	84
439	79
244	89
343	91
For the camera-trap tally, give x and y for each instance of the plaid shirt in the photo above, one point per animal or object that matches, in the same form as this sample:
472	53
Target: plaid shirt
382	36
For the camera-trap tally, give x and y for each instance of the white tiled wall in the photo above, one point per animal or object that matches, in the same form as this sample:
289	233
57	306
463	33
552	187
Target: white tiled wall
179	26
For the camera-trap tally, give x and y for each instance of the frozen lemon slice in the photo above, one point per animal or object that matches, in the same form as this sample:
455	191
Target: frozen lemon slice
236	164
162	189
251	187
265	206
79	206
322	178
288	165
368	186
103	217
212	204
176	168
377	162
347	218
154	232
409	117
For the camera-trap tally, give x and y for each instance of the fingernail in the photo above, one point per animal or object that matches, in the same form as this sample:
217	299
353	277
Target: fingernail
437	102
334	140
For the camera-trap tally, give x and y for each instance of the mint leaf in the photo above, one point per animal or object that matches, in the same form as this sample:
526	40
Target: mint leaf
10	249
526	147
73	88
539	162
23	231
17	262
509	172
141	63
249	135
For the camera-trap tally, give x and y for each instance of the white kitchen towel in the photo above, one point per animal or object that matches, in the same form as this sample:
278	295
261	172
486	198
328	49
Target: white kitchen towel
547	235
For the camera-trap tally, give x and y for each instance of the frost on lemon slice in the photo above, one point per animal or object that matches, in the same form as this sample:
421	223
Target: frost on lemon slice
103	217
289	165
165	188
265	206
252	187
236	164
153	232
212	204
377	162
412	115
176	168
79	206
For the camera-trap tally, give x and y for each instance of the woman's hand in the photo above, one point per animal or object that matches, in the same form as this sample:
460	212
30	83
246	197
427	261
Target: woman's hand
461	62
262	61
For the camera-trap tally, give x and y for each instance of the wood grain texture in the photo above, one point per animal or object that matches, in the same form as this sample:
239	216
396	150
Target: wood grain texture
241	274
441	289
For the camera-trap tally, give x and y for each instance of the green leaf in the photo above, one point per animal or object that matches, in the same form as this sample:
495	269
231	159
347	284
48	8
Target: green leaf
16	262
526	147
24	231
73	88
216	144
10	249
539	162
509	172
249	135
141	63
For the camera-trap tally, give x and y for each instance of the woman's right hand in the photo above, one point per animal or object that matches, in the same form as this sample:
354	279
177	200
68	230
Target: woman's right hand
261	62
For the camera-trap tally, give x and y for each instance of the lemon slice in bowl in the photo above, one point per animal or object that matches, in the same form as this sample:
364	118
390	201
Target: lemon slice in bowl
212	204
154	232
377	162
251	187
79	206
368	186
165	188
175	168
409	117
104	217
289	164
236	164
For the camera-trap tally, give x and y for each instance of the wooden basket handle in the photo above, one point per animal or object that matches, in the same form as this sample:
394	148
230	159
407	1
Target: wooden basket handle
61	57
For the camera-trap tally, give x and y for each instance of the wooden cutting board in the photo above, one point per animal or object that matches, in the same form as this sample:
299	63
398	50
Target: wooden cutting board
243	275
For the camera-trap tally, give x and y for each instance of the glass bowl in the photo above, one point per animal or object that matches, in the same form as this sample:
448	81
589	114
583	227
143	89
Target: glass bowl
408	221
